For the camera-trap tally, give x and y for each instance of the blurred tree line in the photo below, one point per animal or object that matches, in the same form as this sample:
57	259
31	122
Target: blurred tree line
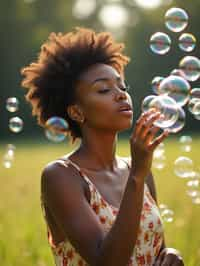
26	24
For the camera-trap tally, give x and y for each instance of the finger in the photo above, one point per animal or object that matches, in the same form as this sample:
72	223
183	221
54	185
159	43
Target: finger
148	124
159	139
140	121
151	134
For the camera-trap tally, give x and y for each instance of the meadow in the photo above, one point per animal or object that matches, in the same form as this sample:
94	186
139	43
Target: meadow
23	240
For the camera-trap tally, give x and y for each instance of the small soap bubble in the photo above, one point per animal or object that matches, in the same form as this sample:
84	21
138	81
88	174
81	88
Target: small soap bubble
194	106
168	109
183	167
177	88
187	42
178	72
159	162
155	84
159	150
56	129
162	206
160	43
146	101
180	122
191	67
185	143
197	117
8	160
196	198
12	104
176	19
192	187
167	215
195	93
16	124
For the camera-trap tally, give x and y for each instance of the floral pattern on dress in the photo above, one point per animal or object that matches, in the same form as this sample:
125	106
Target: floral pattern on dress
149	239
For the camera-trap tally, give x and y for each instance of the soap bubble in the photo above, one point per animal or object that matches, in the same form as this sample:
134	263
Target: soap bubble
12	104
16	124
178	72
10	149
162	206
168	109
8	159
177	88
195	93
180	122
187	42
159	150
146	101
194	106
155	83
159	162
160	43
185	143
197	117
196	198
192	187
183	167
56	129
167	215
191	67
176	19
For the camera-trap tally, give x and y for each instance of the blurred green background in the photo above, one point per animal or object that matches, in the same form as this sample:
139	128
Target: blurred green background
25	25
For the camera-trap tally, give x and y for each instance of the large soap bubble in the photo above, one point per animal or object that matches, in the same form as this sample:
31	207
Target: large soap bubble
12	104
187	42
168	109
160	43
191	67
177	88
56	129
183	167
176	19
16	124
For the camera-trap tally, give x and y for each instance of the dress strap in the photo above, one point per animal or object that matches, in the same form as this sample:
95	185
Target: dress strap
66	161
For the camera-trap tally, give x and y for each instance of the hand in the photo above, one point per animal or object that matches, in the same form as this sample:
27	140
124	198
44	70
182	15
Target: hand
143	142
169	257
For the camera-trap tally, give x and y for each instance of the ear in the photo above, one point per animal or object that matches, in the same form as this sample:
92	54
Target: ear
75	113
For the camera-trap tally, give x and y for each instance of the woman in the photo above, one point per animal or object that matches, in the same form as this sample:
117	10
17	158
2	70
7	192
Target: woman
100	208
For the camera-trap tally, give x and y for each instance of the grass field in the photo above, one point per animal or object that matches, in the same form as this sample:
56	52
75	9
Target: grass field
23	239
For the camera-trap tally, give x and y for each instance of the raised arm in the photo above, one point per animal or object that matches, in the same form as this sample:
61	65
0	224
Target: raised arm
64	194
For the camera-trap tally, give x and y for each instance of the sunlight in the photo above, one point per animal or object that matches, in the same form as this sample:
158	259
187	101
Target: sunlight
150	4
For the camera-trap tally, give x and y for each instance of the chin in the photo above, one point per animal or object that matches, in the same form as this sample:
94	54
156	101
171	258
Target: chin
125	125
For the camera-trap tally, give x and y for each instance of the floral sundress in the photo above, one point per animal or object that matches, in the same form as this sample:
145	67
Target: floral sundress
150	235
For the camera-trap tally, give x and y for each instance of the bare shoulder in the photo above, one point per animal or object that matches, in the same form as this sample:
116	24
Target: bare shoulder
57	174
73	214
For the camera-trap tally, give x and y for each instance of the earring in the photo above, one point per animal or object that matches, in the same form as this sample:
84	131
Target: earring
82	120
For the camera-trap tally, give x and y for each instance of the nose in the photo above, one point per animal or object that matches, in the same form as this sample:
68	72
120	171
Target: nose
120	95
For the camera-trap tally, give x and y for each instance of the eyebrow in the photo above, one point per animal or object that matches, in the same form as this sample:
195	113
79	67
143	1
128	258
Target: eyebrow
105	79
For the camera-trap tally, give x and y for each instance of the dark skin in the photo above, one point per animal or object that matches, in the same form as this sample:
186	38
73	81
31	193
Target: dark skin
99	96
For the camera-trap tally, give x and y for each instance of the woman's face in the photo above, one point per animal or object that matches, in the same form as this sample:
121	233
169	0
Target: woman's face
103	99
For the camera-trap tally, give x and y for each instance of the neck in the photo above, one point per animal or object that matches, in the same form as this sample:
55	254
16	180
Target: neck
99	148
